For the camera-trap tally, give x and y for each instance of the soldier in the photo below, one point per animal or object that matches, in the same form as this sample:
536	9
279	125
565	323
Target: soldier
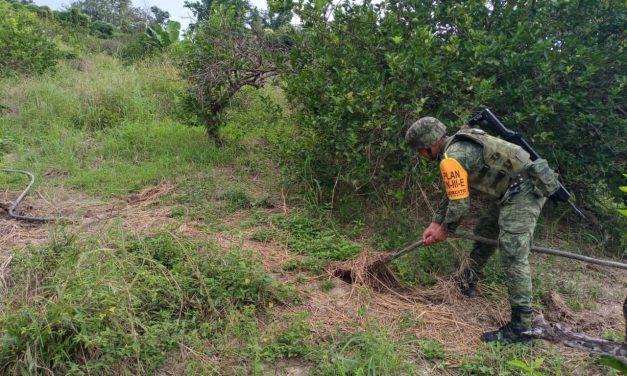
474	160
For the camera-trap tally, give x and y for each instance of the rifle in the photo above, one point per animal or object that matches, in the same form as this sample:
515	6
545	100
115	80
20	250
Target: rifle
487	121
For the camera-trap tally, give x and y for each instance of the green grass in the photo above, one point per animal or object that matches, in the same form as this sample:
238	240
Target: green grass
372	351
82	307
112	130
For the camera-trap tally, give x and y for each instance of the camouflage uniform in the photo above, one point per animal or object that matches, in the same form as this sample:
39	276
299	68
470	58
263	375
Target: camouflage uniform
511	219
472	160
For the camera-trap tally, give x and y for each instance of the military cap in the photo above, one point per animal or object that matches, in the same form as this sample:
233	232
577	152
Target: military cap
424	133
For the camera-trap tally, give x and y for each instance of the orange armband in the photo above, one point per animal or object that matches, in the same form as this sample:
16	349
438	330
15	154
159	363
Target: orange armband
455	179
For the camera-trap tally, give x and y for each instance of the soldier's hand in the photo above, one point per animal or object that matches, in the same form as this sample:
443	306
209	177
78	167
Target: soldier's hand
433	234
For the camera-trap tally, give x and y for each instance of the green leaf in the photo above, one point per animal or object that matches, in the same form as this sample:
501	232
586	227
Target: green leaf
173	28
613	363
519	364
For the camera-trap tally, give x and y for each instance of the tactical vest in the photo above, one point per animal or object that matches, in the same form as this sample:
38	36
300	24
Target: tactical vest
503	161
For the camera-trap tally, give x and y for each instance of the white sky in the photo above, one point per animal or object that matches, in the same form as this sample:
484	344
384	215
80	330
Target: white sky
175	7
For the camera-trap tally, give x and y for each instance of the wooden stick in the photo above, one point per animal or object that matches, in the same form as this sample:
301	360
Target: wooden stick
548	251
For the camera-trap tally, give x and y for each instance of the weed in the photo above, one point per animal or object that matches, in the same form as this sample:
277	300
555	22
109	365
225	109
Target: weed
236	199
394	229
529	368
264	235
257	217
408	321
310	237
369	352
574	304
177	212
508	360
613	336
327	285
472	365
83	308
196	192
432	349
288	340
423	266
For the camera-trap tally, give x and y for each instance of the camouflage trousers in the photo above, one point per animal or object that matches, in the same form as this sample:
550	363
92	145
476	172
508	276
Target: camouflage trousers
512	220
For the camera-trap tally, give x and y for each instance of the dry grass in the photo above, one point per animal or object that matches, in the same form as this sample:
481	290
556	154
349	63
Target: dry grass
80	213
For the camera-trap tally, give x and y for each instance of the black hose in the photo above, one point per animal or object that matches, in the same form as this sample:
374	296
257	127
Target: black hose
13	208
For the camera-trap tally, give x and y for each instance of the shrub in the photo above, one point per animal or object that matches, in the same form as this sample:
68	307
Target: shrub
224	55
362	73
25	46
102	29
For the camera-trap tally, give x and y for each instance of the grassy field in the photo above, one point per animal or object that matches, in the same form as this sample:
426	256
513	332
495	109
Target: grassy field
179	256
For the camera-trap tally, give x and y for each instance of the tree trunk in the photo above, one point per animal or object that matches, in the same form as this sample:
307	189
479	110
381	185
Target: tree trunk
558	334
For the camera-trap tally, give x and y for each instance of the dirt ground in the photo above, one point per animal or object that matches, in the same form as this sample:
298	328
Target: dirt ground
439	312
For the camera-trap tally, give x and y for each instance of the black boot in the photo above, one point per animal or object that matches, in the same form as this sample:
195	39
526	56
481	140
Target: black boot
467	283
513	331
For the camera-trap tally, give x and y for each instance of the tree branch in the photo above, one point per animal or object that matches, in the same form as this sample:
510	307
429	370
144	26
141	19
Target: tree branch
556	333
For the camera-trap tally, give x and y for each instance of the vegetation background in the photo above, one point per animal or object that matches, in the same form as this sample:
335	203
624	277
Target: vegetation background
208	179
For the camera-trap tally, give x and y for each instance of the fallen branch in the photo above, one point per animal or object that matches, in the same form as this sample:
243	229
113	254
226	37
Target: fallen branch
558	334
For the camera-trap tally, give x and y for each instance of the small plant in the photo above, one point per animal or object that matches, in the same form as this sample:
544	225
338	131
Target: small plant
264	235
613	336
177	212
310	237
370	352
305	265
574	304
530	368
257	217
236	199
289	341
432	350
327	285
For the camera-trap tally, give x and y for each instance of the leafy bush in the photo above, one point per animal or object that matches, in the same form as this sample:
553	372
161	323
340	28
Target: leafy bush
362	73
164	37
102	29
25	45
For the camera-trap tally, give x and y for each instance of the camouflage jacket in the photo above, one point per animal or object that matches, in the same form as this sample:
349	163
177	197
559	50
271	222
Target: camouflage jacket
470	155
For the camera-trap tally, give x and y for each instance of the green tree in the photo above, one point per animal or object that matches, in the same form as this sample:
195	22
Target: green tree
362	73
224	54
160	16
279	13
117	12
202	9
26	47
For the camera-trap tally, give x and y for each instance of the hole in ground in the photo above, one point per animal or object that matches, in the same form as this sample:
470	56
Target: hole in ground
345	275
